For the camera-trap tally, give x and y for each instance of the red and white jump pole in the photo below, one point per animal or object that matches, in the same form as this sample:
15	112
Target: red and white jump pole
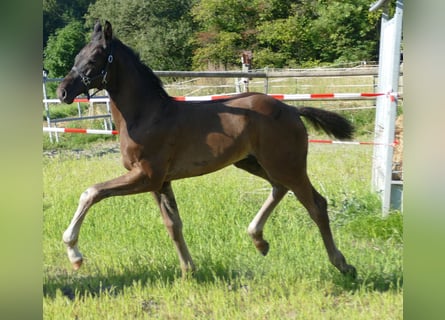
283	97
77	130
294	97
115	132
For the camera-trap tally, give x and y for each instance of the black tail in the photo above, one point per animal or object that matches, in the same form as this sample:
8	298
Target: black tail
331	122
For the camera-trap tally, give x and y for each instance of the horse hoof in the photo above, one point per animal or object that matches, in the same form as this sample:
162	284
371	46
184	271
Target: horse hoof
263	247
350	271
77	264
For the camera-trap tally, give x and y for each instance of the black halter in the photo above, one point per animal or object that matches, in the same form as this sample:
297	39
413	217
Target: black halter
86	80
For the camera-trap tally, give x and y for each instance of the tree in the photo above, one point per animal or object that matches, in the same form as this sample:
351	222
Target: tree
226	27
284	33
58	13
283	39
62	48
159	30
202	34
345	31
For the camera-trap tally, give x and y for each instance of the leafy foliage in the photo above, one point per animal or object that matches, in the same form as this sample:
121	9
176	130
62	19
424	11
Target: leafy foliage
226	27
203	34
62	47
284	33
344	31
58	13
159	30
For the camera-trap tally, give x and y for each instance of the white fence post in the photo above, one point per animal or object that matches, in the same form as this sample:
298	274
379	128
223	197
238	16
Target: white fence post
389	71
45	97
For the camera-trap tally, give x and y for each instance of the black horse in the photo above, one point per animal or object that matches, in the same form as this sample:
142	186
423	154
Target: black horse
162	139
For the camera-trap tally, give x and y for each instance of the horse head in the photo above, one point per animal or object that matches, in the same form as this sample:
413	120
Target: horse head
90	65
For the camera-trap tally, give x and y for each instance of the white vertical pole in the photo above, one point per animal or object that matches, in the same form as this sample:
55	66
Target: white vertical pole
389	70
45	97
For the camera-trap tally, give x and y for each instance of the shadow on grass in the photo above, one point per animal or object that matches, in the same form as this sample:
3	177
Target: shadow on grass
381	282
77	285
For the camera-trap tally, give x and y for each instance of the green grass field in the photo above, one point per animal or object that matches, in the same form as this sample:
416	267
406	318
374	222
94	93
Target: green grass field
131	270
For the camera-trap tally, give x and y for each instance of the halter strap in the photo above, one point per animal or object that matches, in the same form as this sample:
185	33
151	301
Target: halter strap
86	80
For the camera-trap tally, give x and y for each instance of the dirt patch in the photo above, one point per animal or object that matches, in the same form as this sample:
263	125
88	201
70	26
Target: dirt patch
93	150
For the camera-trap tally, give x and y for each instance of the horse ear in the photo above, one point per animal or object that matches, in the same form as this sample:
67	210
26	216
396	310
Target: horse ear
108	32
97	31
97	27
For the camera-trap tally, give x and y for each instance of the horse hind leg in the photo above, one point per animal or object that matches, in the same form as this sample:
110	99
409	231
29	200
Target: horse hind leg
316	205
165	199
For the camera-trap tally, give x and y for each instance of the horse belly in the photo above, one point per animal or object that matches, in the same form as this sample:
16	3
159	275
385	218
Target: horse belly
209	139
217	152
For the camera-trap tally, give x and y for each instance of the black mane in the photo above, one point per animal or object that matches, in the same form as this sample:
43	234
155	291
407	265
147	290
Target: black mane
153	80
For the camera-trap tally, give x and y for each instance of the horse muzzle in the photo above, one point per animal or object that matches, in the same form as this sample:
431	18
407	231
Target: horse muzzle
69	89
62	94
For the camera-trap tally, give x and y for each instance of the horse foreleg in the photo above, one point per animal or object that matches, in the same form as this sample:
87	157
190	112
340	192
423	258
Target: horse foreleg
172	221
256	227
135	181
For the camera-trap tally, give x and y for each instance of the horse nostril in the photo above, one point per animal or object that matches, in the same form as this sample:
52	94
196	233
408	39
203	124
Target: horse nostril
61	93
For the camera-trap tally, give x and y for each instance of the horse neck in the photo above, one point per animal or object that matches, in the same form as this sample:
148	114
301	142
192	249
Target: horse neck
132	86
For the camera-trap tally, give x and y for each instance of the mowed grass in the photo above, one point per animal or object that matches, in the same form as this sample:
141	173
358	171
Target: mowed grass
131	270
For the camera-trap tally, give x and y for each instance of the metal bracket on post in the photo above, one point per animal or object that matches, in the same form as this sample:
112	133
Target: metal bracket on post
386	111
